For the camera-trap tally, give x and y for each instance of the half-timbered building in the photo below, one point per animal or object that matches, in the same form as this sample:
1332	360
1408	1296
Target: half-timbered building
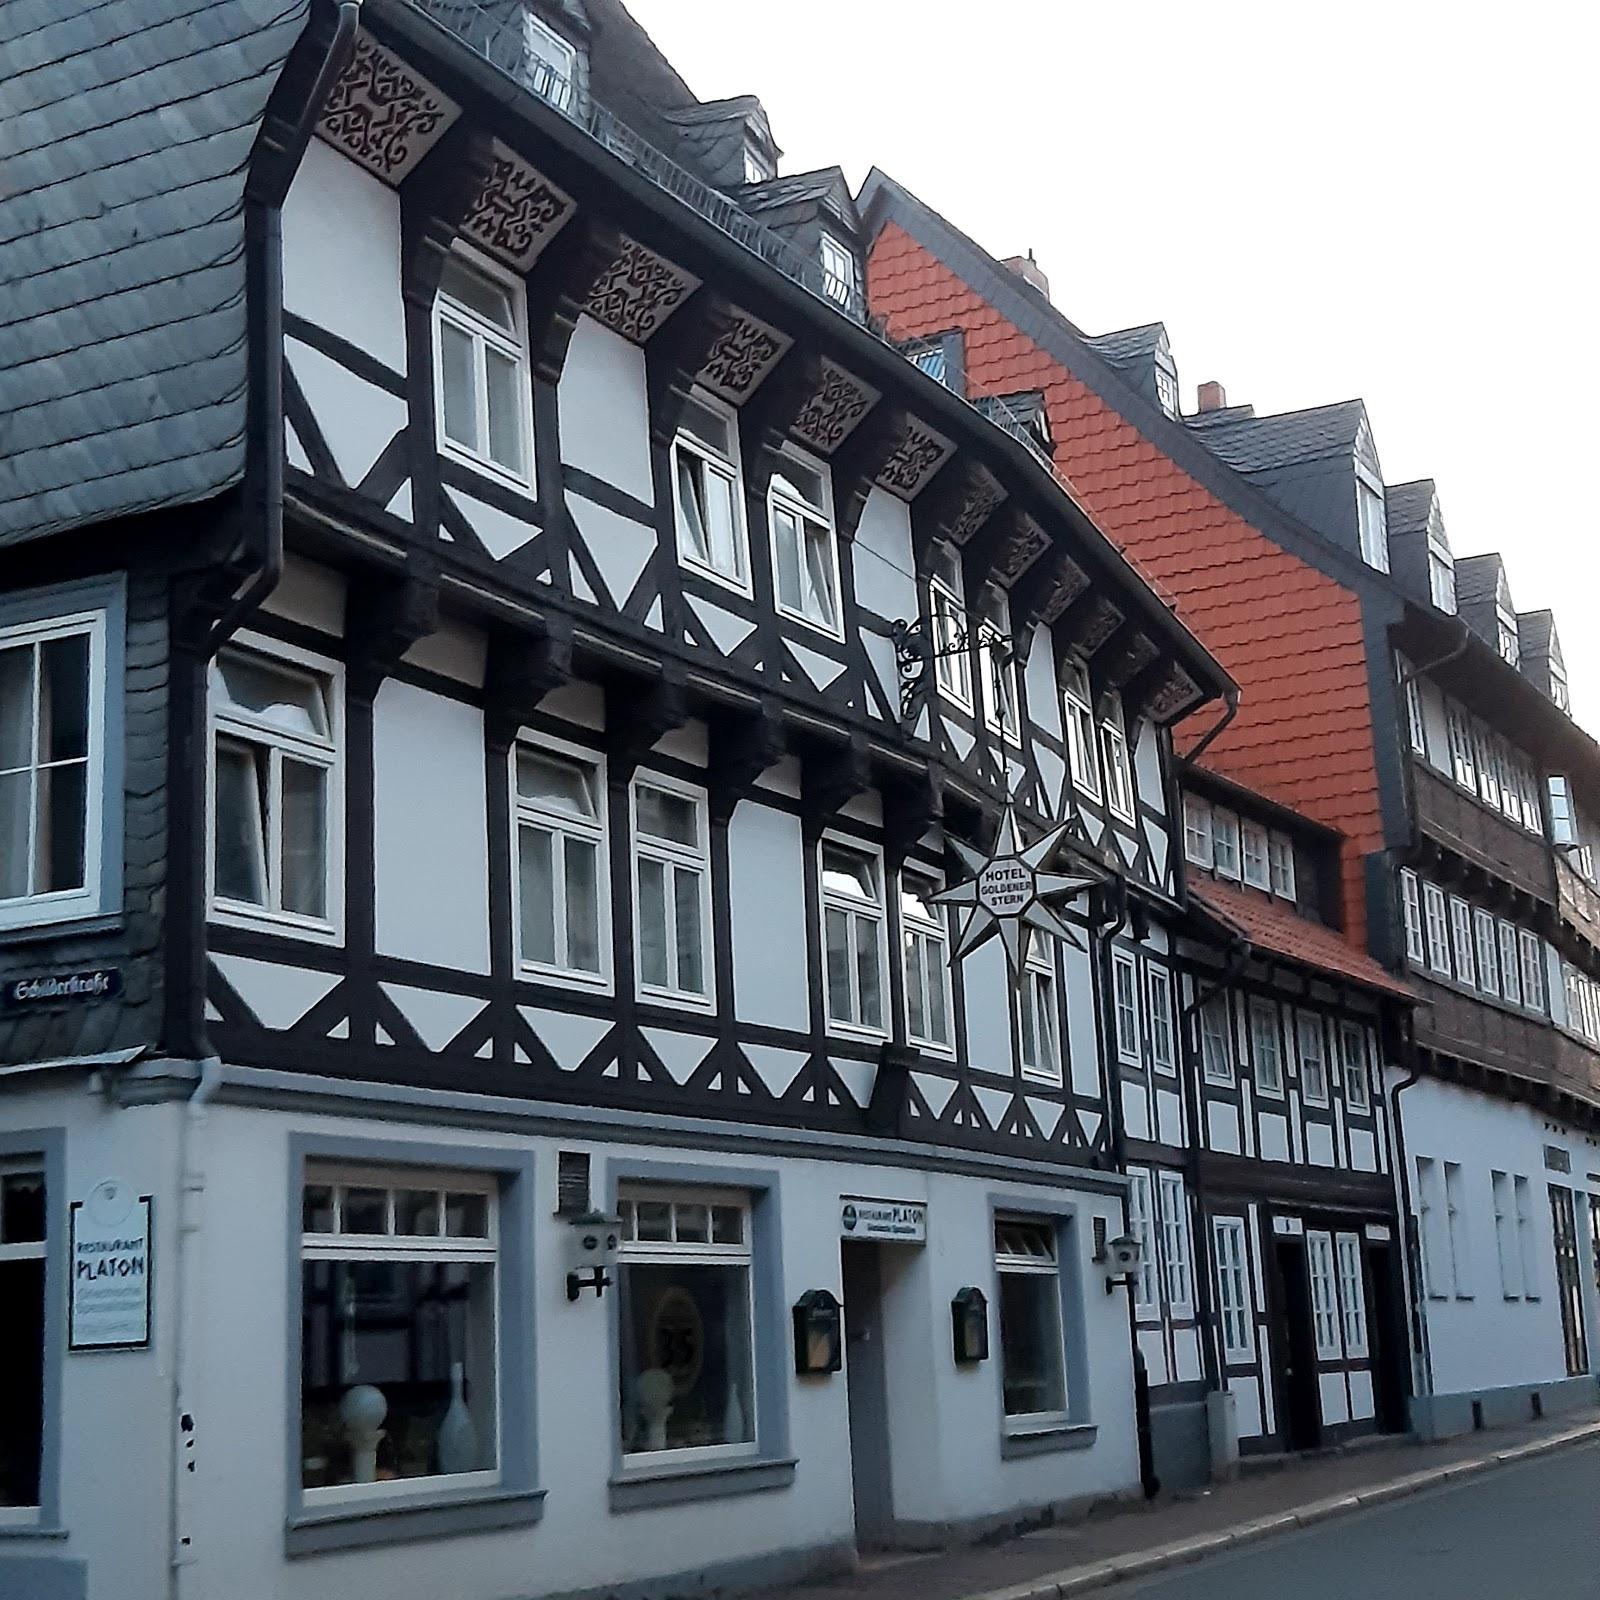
495	653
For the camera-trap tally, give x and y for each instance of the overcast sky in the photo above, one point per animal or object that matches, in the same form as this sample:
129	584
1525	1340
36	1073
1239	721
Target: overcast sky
1392	201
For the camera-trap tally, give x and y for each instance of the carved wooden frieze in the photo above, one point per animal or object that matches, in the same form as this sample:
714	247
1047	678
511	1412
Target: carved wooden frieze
1067	581
517	212
742	357
985	494
383	114
638	292
1176	693
1133	658
1023	545
827	418
917	455
1102	621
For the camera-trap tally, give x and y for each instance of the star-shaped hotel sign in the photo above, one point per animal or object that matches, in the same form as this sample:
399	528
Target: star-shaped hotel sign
1009	888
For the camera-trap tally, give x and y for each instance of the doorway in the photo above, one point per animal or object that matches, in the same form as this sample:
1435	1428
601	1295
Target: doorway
1299	1395
1386	1332
867	1392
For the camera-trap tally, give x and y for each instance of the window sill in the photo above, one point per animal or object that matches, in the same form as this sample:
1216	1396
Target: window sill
285	927
674	1485
723	580
20	925
500	476
31	1530
829	631
355	1525
1047	1440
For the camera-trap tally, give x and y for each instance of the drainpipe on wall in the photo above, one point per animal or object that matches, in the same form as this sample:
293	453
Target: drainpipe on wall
1416	1298
1230	711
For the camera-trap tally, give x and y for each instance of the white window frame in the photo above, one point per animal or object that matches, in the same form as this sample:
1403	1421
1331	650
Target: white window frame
1083	750
1234	1312
1464	965
1416	724
1308	1028
1039	1421
728	466
331	756
929	938
1353	1065
1488	781
947	612
1462	759
1176	1257
1505	1234
674	857
1372	521
1280	865
816	517
1199	832
1455	1203
1324	1294
1117	764
1141	1224
1253	855
1126	1020
40	909
1265	1025
854	910
558	89
1352	1294
1411	906
838	260
1225	842
1487	951
1039	1009
1532	951
1216	1042
486	335
1437	923
1510	963
1162	1023
998	680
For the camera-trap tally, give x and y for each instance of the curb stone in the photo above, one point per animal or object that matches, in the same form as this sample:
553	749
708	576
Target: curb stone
1072	1581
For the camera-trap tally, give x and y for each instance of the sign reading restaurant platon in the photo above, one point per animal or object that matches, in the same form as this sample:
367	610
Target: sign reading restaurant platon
108	1297
900	1221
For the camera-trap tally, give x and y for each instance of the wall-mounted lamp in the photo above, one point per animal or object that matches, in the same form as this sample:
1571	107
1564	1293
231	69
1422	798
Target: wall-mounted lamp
969	1326
1123	1255
592	1242
818	1333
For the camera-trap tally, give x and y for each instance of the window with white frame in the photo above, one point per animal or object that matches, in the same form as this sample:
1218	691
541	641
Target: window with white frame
1441	569
1527	1238
1225	842
1563	825
1233	1290
1488	963
672	889
997	667
708	491
931	357
805	557
275	801
1510	964
1461	758
1141	1224
1253	847
1488	780
1266	1047
1353	1065
685	1316
1416	726
925	940
1324	1294
1082	752
399	1342
1175	1242
1163	1044
1199	832
1125	1002
1118	769
550	65
561	861
1438	928
853	935
1033	1379
952	661
52	768
1313	1058
1411	906
1039	1011
1505	1235
480	355
1216	1040
1532	972
1373	524
1352	1293
838	269
1455	1201
1167	388
1506	632
1559	691
1280	860
1461	939
22	1293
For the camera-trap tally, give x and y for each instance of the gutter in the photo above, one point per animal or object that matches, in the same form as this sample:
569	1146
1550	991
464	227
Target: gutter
1410	1254
1230	697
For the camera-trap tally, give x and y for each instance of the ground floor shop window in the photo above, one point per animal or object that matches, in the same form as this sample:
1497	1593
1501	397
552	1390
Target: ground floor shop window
1033	1371
1564	1225
398	1330
686	1370
22	1317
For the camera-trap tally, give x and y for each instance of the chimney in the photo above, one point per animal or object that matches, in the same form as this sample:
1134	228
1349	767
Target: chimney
1028	270
1212	396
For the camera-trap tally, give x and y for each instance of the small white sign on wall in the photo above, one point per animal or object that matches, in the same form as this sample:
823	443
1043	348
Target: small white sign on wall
899	1221
108	1298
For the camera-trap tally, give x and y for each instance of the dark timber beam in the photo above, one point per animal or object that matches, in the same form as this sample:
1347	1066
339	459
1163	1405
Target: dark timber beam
384	618
433	201
769	414
559	284
676	354
522	669
831	776
855	465
639	712
743	745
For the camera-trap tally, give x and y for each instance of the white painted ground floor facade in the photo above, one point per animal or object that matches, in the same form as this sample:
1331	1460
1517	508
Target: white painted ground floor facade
365	1376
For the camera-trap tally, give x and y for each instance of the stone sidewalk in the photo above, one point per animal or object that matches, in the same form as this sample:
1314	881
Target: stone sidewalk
1135	1541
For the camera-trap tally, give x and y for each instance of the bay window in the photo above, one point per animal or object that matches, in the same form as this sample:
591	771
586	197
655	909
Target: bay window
1510	964
1532	972
561	862
1038	1011
1032	1365
708	492
22	1294
1280	862
672	889
1461	939
1411	906
853	935
805	558
925	940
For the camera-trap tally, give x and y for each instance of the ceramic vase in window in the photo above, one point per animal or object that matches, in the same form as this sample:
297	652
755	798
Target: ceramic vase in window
458	1439
362	1411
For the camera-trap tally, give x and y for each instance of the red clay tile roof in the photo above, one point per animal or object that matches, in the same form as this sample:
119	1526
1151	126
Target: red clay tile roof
1276	929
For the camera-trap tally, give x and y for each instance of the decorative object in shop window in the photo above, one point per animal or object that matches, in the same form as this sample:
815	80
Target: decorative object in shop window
969	1326
655	1390
362	1411
818	1333
1126	1254
592	1247
458	1439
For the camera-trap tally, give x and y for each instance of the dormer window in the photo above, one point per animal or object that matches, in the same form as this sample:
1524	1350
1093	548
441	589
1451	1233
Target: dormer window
1505	627
1441	568
1373	524
756	167
930	356
1167	387
550	64
1558	689
838	270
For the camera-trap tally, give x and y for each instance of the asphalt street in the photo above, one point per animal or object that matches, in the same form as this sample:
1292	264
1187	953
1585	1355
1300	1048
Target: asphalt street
1530	1531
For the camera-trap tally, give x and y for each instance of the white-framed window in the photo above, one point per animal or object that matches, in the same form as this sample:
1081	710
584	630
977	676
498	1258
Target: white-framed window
1488	781
1313	1058
1563	825
1167	389
756	167
1253	848
1225	842
1461	940
1158	1002
1352	1293
805	555
947	602
1506	633
708	492
1125	1003
1083	755
1118	768
1441	568
398	1275
925	941
1488	961
1141	1224
997	667
276	803
931	357
1373	524
853	935
1039	1011
23	1249
1324	1294
481	371
1280	861
559	799
1216	1040
838	269
1233	1291
1510	964
1033	1378
1455	1201
1438	927
1505	1235
671	890
1353	1065
1559	691
550	66
1199	833
1462	767
685	1321
1266	1047
52	768
1527	1238
1411	906
1175	1242
1416	725
1532	972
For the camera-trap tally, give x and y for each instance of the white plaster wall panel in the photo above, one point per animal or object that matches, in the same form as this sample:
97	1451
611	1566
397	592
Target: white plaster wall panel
865	807
1247	1398
430	844
1169	1117
820	669
1222	1127
453	652
1047	1113
987	986
1361	1406
680	1053
1082	1036
341	254
1335	1401
1089	1122
856	1076
1147	772
1136	1110
961	741
604	410
996	1103
776	1067
357	418
619	545
582	703
567	1035
880	657
883	558
1295	1117
1039	683
1053	774
295	452
1247	1120
727	629
1186	1356
400	502
1274	1127
782	778
436	1015
502	533
311	595
278	994
1319	1144
1153	1347
688	743
766	867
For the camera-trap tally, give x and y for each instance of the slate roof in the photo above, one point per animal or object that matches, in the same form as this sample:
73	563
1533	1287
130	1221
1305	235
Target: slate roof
825	186
1409	505
1477	579
1536	631
126	133
1129	346
1260	444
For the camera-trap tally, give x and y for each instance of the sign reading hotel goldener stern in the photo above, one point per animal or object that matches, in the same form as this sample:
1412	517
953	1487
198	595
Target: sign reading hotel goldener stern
108	1299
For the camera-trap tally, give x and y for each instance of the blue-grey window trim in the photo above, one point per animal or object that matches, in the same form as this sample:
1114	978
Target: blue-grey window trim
1079	1430
49	1145
771	1467
515	1500
108	595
